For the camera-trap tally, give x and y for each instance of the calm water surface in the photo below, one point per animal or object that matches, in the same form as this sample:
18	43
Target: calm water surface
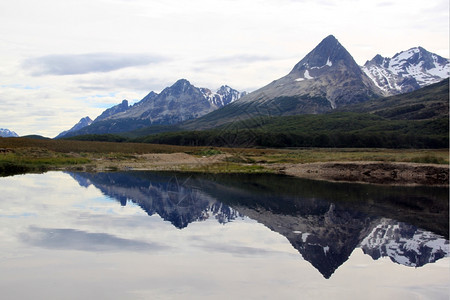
144	235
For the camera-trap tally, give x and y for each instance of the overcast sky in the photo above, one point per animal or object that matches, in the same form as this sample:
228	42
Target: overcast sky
64	60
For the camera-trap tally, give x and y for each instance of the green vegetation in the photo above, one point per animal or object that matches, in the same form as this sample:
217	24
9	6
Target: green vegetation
335	130
35	160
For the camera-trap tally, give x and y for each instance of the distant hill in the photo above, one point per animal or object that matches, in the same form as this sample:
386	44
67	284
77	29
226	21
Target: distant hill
36	137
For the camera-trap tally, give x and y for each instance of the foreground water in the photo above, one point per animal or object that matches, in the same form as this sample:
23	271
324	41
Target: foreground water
144	235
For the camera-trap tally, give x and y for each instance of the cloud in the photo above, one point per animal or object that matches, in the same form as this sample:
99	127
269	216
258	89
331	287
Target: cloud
71	64
70	239
239	58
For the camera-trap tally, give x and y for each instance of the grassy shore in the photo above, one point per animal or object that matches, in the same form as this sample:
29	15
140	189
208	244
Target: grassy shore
20	155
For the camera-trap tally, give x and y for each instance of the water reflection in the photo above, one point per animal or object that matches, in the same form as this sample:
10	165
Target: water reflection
325	222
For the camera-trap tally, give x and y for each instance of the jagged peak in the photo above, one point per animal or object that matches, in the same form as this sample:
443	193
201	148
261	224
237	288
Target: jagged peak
181	83
328	52
87	118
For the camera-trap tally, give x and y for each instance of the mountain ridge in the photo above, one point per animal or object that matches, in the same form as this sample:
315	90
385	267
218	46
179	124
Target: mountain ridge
86	121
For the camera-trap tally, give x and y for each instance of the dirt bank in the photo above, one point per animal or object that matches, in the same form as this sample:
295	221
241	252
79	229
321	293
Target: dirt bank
389	173
370	172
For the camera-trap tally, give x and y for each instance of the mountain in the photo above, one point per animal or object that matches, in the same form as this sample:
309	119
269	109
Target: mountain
180	102
86	121
407	70
7	133
175	104
117	109
326	78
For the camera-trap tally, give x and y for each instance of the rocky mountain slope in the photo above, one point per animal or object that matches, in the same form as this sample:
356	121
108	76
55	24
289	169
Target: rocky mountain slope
180	102
407	70
112	111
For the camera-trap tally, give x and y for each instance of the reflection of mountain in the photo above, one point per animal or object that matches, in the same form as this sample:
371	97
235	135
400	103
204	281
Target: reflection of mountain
325	222
161	194
404	244
325	238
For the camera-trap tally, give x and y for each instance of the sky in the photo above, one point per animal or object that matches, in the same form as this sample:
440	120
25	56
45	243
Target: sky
64	60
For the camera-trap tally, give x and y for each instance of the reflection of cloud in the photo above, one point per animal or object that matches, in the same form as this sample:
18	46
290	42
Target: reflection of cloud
231	249
70	64
71	239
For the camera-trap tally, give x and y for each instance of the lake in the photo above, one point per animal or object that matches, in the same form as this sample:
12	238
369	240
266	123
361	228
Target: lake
161	235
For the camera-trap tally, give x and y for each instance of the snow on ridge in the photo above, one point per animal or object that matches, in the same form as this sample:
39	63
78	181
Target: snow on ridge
223	96
307	76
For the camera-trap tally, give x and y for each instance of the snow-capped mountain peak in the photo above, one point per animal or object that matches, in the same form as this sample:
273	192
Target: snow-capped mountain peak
223	96
407	71
7	133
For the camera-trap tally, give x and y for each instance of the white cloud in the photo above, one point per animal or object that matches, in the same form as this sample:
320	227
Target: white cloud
70	64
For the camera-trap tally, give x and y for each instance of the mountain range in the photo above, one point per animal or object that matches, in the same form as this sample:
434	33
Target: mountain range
326	79
180	102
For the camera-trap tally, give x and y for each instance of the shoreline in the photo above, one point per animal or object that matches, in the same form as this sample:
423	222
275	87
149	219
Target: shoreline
366	172
427	167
